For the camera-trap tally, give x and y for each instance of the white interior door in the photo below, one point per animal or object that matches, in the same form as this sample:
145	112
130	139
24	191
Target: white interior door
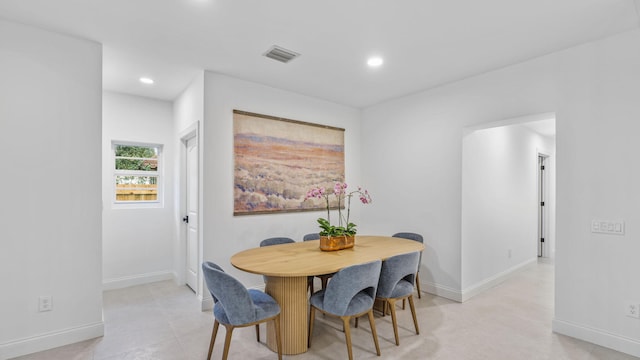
191	218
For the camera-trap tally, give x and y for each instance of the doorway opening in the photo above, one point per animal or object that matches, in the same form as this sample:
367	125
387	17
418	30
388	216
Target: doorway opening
502	228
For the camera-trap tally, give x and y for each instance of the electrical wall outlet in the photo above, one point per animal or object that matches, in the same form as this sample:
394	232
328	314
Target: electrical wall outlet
632	309
45	303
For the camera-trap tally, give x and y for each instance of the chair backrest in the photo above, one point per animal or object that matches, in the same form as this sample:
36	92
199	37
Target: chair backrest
215	266
410	236
312	236
348	282
395	269
231	294
276	241
414	237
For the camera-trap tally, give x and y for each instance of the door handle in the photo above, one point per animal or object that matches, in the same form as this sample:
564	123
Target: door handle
186	219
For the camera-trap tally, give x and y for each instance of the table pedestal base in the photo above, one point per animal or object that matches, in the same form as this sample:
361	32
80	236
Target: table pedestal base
291	294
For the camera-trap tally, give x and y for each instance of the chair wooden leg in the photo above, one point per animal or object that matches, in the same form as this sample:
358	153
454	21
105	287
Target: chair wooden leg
312	315
392	305
413	313
278	336
324	281
214	332
227	341
356	323
347	334
257	333
403	303
418	285
374	333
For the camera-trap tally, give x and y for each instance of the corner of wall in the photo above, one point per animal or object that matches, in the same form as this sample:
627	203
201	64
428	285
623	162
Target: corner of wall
442	291
492	281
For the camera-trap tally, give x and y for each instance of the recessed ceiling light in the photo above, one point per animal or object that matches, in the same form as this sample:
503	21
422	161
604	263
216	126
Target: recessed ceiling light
146	80
375	61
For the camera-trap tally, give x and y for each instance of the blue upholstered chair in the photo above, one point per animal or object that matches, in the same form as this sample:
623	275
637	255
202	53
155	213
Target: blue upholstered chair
397	279
275	241
235	306
215	266
312	236
324	278
350	293
420	239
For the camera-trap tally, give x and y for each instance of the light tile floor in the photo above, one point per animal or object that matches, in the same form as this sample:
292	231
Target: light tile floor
510	321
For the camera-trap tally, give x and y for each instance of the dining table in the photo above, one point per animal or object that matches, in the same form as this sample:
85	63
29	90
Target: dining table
286	268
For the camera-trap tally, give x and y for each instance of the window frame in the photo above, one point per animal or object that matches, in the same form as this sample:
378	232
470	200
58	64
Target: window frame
159	174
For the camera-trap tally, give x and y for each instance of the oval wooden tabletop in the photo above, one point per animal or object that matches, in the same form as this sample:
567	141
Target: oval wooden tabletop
306	259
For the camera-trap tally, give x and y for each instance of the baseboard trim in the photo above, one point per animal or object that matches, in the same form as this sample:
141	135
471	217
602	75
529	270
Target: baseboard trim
442	291
126	281
494	280
50	340
206	304
464	295
597	336
259	287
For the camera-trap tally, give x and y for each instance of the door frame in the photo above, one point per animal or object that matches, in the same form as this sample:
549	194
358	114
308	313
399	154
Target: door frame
543	212
550	202
192	131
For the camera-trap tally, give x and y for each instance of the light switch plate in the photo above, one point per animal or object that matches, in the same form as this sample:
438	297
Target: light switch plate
612	227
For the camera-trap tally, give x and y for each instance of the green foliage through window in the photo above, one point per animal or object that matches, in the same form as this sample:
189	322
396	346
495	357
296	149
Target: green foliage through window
136	158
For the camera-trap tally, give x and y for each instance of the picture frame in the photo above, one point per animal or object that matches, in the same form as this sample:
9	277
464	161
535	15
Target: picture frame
278	160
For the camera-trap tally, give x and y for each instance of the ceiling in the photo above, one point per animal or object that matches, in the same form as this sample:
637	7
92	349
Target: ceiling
545	127
424	43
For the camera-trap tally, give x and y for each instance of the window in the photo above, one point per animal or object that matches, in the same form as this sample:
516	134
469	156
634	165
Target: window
137	173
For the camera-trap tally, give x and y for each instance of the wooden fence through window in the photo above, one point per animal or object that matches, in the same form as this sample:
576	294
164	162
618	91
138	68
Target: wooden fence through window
135	192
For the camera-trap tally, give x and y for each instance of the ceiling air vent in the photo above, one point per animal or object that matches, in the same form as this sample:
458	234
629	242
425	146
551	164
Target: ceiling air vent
281	54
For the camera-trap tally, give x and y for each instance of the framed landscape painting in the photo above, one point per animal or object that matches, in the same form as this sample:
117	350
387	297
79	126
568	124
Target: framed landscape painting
276	161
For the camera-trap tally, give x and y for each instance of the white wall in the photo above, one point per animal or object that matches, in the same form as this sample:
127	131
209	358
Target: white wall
499	202
137	242
597	177
189	106
225	234
416	141
50	215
